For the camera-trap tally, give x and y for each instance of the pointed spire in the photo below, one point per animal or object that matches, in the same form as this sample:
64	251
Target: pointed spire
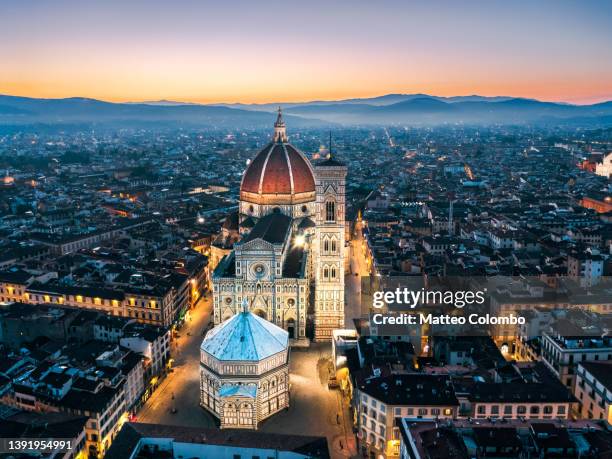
279	118
330	156
280	131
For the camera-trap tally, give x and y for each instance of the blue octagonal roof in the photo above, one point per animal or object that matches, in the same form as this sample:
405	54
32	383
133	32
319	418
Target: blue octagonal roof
245	337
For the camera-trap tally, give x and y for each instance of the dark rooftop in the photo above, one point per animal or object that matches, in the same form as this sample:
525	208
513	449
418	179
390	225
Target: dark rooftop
602	371
272	228
411	389
17	276
294	262
130	435
48	425
547	435
498	437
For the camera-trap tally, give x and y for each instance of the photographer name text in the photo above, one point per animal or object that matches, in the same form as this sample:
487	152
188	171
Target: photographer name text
445	319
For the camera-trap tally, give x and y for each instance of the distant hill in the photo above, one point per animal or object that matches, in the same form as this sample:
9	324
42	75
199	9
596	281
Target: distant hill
476	98
387	99
470	110
10	110
404	109
77	110
164	102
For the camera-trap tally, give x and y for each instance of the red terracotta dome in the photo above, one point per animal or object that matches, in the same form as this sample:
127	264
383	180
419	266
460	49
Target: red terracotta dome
278	169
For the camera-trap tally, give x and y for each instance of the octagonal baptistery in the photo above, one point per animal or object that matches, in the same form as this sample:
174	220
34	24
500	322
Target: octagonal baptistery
244	371
279	176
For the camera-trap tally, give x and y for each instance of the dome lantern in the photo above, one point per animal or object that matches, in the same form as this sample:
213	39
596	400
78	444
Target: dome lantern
280	130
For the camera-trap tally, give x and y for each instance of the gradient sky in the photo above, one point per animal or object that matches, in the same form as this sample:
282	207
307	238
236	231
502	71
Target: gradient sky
265	51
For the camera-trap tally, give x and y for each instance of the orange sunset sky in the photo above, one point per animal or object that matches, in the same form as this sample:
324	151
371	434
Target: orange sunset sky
268	51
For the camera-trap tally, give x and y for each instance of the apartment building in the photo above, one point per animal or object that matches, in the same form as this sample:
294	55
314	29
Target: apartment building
594	390
562	351
384	399
516	298
586	267
159	305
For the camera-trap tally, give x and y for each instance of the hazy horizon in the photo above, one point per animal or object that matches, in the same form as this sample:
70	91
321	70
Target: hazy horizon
296	101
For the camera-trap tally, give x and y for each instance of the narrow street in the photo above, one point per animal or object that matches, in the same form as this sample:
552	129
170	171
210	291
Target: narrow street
184	381
358	269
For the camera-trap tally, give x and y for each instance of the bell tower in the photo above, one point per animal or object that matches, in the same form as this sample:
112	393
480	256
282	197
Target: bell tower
330	179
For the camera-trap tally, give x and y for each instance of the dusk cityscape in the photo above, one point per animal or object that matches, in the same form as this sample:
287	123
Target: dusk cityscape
257	230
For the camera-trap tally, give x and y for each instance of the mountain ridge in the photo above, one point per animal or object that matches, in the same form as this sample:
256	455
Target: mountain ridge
29	110
417	109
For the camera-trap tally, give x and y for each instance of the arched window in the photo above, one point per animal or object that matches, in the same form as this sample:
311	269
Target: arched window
333	245
330	211
325	273
326	245
230	414
246	415
333	272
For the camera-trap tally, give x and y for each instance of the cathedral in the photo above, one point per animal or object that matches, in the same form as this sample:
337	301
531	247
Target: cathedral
287	264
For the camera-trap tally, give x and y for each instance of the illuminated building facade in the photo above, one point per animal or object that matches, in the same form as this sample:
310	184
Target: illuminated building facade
244	371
